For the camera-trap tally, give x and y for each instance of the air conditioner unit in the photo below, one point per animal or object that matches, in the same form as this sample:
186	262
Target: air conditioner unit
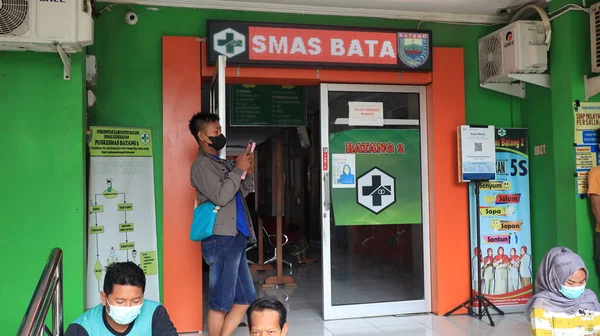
595	36
518	48
41	25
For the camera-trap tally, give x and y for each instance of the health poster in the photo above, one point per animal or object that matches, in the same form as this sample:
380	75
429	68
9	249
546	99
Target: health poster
505	257
121	214
587	123
342	170
376	176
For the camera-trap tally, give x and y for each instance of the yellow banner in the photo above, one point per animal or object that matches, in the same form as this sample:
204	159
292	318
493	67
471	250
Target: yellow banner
582	183
117	141
492	211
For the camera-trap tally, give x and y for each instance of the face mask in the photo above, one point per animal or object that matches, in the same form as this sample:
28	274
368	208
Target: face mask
572	292
218	142
124	315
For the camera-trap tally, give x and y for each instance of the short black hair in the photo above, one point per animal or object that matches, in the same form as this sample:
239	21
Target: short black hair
124	273
199	122
267	303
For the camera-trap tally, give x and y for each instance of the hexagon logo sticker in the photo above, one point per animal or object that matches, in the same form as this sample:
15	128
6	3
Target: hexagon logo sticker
376	190
229	42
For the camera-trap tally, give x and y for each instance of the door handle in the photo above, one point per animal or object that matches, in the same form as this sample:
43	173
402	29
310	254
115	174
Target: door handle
326	196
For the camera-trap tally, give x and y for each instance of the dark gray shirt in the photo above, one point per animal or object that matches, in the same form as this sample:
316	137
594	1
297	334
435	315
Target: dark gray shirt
218	181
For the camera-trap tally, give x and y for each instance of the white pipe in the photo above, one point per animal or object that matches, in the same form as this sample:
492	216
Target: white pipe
543	15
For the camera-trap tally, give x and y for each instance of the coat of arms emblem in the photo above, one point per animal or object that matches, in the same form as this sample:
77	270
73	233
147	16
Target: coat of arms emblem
413	49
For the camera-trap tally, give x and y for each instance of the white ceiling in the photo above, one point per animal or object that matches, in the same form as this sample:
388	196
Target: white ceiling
474	11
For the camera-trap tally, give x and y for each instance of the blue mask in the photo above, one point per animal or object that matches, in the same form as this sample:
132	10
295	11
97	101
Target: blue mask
572	292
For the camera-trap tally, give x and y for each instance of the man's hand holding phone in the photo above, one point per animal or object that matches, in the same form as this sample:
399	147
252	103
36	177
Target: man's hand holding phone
249	157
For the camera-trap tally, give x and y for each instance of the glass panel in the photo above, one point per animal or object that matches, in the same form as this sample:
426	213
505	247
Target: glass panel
376	215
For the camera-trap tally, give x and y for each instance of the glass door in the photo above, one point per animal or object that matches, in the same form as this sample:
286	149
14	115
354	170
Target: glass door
217	96
374	201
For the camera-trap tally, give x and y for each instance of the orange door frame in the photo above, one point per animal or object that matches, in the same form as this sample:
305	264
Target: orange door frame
184	67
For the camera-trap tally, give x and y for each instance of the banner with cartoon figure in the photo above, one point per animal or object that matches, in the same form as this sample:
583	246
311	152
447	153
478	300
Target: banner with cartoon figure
504	210
121	210
378	170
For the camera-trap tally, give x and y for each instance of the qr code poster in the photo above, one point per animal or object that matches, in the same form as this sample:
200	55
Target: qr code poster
343	167
477	153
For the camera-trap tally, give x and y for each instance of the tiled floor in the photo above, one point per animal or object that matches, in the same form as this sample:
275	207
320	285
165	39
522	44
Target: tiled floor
305	316
307	322
304	304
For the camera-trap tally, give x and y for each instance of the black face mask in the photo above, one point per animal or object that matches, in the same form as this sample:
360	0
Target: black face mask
218	142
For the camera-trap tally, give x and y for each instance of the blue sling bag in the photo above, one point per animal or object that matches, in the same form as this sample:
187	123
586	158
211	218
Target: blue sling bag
203	223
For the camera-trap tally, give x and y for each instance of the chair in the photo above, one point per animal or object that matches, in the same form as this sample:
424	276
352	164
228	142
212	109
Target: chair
274	246
249	248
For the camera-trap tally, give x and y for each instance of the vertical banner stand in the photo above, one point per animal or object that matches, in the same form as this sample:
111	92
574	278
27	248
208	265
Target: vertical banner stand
477	163
260	265
279	279
479	297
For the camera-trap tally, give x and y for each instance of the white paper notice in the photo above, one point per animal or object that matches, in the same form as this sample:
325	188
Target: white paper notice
478	153
343	169
365	114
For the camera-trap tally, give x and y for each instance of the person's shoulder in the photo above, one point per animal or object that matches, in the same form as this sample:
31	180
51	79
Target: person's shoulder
201	159
160	316
202	163
76	329
590	295
594	171
152	304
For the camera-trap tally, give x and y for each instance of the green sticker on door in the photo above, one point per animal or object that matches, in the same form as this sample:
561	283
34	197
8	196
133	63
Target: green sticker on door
376	177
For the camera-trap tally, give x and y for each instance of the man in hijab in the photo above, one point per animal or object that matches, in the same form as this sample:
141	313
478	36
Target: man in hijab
561	299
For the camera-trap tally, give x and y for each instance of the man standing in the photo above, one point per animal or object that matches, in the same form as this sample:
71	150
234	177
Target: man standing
123	310
231	289
267	317
594	195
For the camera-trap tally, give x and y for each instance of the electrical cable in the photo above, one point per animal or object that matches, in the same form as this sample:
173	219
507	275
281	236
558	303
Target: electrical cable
457	23
543	15
109	8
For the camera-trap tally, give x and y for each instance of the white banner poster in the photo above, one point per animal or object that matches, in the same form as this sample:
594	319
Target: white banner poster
121	216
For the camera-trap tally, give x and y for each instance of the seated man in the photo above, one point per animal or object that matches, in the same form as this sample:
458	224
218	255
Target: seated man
267	316
123	310
561	304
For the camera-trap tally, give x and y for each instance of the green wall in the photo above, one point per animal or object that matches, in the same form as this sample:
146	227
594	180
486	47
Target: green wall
42	119
558	216
42	123
45	117
129	58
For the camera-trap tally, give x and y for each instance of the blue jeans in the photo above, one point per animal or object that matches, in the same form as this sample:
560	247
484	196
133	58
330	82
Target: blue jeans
230	281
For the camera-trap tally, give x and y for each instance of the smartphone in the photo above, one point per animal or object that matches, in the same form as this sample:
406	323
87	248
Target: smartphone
252	145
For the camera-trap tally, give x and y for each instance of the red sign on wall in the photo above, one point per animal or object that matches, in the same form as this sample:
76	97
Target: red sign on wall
295	45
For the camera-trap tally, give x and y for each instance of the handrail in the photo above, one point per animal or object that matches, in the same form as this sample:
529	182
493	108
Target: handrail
49	291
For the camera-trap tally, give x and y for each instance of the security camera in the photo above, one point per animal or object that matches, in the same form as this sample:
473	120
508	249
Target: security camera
131	18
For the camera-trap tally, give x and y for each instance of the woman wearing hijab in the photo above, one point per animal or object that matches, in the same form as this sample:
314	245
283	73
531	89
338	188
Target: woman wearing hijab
347	177
513	271
525	268
562	305
501	264
488	271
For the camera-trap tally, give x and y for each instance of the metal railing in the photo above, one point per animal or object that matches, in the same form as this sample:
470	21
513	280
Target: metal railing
49	292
